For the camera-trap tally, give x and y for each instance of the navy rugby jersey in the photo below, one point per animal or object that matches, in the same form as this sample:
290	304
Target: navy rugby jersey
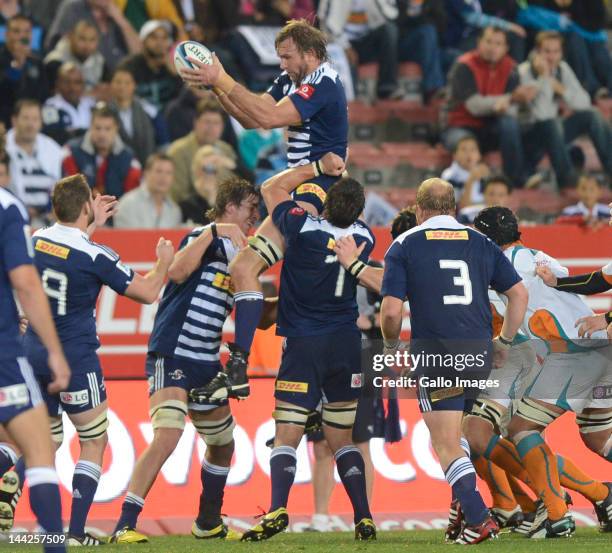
15	250
190	317
317	296
444	269
321	102
73	269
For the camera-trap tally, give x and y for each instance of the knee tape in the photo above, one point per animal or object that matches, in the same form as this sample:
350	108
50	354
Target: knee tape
57	430
535	412
489	411
339	417
266	249
290	414
169	414
594	422
93	429
219	432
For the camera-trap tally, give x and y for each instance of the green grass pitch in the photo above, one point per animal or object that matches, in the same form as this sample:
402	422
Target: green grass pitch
424	541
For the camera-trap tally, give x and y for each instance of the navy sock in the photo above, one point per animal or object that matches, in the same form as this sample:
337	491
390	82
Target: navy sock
84	486
46	502
213	479
352	473
461	475
249	307
283	461
130	510
8	457
20	469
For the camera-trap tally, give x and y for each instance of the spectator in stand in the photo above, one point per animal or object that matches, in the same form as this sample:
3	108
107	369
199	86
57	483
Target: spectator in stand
5	173
496	192
80	47
108	164
156	82
150	206
117	36
465	20
558	91
466	172
367	30
208	169
35	161
588	211
419	21
140	127
484	97
68	113
207	130
22	75
45	11
583	22
507	10
263	149
138	13
11	8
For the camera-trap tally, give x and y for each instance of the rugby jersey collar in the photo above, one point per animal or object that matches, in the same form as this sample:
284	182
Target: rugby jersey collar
312	76
70	230
442	221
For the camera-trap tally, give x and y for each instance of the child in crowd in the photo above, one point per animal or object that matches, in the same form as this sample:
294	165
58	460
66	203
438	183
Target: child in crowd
496	191
589	210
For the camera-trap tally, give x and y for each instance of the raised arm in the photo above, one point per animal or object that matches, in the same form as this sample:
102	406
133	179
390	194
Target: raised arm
240	116
146	289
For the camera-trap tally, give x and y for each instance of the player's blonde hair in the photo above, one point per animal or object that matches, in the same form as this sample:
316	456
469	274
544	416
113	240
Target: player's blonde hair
436	196
305	37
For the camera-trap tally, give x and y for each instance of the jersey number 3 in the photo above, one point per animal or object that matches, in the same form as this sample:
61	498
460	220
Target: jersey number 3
55	285
463	281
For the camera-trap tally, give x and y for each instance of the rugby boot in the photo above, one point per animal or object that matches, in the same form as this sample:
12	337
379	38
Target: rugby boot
455	521
603	510
365	530
562	528
471	535
508	519
127	535
87	540
9	494
271	524
222	532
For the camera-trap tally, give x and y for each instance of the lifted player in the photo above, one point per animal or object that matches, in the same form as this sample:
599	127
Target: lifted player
317	313
73	270
309	99
22	412
184	354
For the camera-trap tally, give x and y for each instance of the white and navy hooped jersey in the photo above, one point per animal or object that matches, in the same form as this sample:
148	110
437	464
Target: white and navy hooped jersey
15	250
73	269
321	102
190	318
317	296
444	269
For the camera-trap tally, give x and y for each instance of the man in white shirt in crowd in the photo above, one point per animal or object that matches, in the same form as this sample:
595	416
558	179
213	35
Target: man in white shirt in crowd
149	205
558	87
68	113
35	160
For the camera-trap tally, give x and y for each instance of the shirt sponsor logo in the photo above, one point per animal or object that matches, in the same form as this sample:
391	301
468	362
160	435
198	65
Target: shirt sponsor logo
331	244
446	235
305	91
311	188
356	380
17	394
222	281
288	386
80	397
296	211
52	249
177	374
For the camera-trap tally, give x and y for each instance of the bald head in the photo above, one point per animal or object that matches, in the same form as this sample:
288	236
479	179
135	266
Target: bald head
435	197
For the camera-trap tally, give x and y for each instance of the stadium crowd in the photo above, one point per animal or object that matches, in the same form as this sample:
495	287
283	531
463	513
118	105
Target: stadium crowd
486	93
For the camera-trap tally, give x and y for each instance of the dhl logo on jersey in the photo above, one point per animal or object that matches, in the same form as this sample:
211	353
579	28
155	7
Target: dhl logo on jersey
446	235
331	244
222	281
52	249
288	386
311	188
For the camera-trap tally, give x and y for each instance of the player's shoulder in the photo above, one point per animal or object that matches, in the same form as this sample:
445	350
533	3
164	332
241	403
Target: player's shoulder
8	202
361	228
72	240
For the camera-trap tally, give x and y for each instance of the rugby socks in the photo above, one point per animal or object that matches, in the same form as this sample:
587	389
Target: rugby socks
497	482
503	453
522	498
351	469
213	478
465	445
130	510
541	465
84	485
249	307
571	477
461	476
45	501
8	457
283	462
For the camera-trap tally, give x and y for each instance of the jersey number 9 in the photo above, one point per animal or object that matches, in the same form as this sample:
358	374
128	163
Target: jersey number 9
463	281
55	285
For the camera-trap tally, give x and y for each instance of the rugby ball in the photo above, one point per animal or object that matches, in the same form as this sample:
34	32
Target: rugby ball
191	49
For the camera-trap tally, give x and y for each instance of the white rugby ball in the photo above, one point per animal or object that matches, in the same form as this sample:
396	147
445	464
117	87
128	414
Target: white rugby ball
191	49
